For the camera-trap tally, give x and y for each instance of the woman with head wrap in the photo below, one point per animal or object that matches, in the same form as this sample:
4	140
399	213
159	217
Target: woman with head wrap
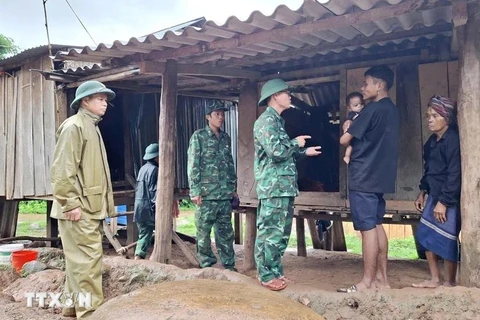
440	223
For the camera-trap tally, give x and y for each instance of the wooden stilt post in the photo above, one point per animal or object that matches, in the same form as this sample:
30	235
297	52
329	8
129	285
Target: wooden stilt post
301	245
468	111
247	114
238	222
166	166
249	243
338	237
52	226
312	226
132	231
8	218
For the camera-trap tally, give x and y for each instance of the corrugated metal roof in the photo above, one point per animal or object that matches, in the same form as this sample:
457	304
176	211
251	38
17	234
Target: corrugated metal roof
20	57
437	15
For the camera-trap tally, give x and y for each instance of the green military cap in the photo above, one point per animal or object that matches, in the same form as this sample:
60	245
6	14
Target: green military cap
270	88
151	152
217	105
90	88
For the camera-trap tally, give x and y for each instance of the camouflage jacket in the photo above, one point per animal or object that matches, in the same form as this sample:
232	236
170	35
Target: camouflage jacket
275	154
211	173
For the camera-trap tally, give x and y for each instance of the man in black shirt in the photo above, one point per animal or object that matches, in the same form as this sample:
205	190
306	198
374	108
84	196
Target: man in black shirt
372	171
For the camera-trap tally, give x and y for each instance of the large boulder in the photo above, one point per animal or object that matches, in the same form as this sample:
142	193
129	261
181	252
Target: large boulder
204	299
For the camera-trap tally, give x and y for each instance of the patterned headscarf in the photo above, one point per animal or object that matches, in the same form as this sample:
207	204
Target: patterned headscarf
445	107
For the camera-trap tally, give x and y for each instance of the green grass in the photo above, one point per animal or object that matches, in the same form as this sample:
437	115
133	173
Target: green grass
31	228
398	248
33	206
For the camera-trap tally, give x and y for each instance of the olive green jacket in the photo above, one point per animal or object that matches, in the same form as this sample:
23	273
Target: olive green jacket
80	174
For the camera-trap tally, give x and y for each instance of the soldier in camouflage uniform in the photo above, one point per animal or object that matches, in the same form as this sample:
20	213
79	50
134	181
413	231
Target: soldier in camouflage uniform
276	176
212	180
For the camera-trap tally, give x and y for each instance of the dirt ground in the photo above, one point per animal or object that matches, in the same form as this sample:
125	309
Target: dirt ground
315	277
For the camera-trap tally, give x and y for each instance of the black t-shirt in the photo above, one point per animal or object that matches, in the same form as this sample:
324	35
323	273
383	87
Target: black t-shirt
373	163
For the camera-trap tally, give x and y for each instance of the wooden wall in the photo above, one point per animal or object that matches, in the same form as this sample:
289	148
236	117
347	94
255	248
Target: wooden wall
27	131
393	231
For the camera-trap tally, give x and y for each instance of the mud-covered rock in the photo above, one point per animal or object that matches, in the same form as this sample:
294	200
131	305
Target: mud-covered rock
204	299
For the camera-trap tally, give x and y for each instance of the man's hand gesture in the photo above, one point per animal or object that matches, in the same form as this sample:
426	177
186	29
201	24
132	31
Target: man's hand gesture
301	140
313	151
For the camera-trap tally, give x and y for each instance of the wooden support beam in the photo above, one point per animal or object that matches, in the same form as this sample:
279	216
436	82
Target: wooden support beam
317	80
335	68
166	174
312	226
186	251
250	235
8	218
238	222
132	230
61	107
205	70
338	237
288	32
301	244
468	111
52	226
459	18
246	117
108	75
151	67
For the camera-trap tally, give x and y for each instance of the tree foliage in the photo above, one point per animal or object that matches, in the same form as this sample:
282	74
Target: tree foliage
7	46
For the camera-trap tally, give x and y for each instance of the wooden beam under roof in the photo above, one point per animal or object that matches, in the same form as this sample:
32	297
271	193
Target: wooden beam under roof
356	42
150	67
288	32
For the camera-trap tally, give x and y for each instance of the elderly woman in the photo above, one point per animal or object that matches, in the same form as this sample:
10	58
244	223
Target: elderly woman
440	223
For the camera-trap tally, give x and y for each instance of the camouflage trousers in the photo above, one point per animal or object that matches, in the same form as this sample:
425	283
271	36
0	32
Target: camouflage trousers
274	224
145	234
216	214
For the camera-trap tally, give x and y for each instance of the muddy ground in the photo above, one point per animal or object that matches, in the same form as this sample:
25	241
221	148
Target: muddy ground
315	277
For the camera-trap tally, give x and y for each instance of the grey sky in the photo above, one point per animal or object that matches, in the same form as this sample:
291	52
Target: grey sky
109	20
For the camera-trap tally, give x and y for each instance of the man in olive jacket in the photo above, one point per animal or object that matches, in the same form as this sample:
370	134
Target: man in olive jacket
83	195
145	200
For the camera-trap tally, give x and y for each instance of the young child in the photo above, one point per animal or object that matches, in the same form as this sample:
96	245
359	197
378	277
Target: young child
355	104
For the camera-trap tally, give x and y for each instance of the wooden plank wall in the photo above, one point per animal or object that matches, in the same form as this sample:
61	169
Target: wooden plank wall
433	80
27	132
393	231
410	161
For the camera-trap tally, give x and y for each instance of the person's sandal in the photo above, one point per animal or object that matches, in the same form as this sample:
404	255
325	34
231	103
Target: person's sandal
274	284
285	279
350	289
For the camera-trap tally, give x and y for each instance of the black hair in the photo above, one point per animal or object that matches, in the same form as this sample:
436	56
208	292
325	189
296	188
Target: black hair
381	72
352	95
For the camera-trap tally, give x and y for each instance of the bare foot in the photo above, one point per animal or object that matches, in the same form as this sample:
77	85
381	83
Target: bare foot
449	284
381	284
361	286
431	284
